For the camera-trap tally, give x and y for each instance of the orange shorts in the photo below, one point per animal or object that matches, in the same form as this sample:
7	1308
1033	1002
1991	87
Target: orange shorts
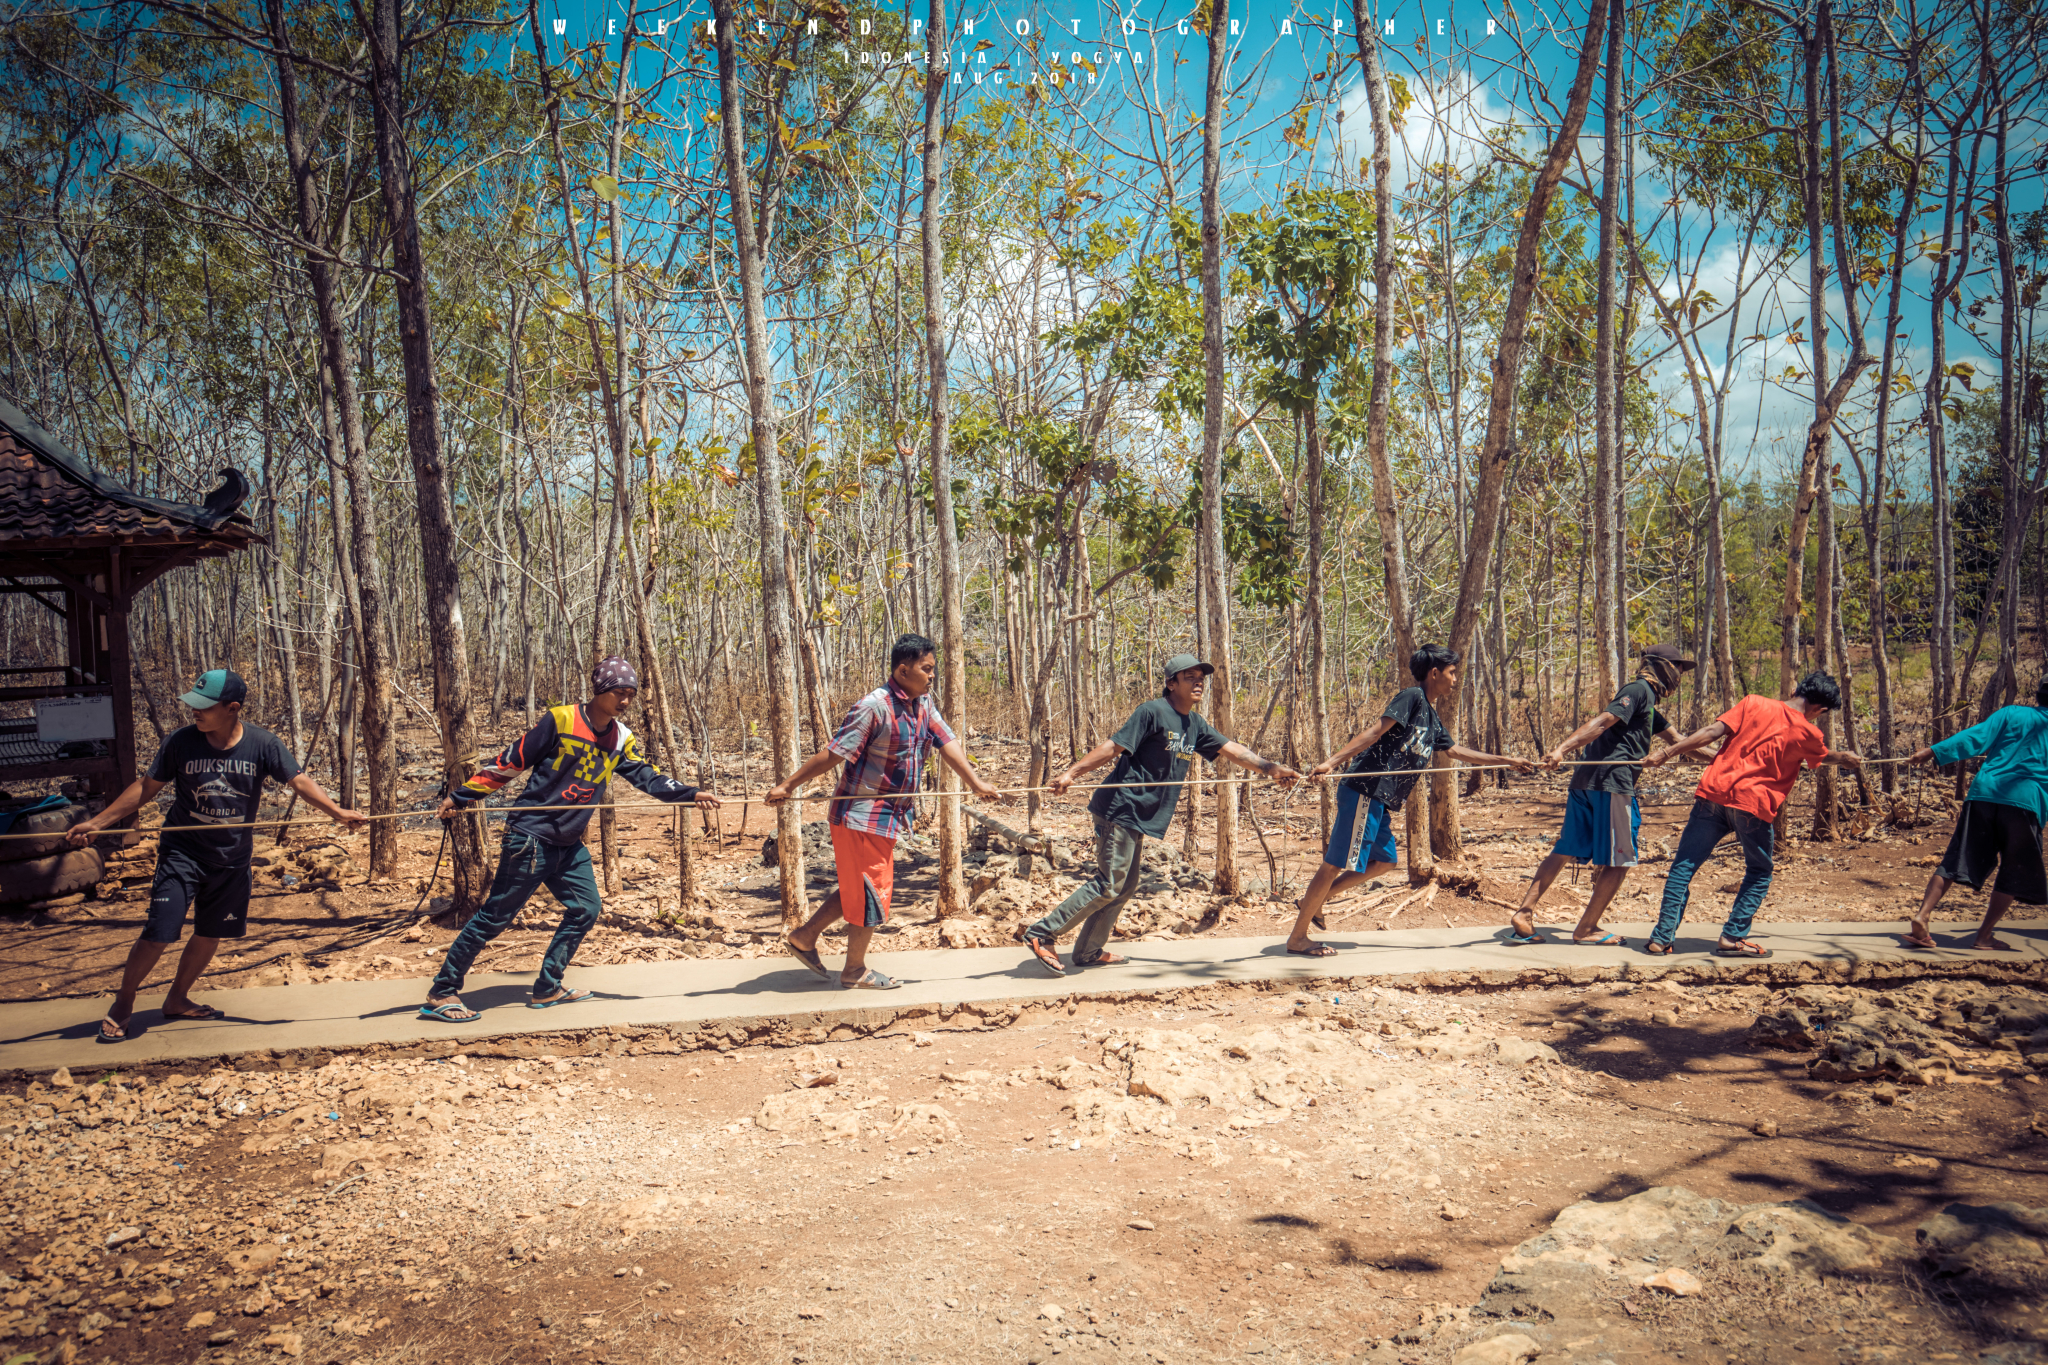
867	875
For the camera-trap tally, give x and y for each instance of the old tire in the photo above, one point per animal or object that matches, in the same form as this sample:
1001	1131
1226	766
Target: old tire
38	879
51	823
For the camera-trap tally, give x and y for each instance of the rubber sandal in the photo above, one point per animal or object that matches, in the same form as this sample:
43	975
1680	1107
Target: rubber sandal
119	1034
1516	940
199	1012
1656	949
871	980
1102	959
1047	958
1743	948
1314	950
450	1012
1909	941
809	957
565	998
1604	941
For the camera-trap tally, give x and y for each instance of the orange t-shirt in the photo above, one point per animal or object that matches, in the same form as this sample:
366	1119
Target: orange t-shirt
1759	761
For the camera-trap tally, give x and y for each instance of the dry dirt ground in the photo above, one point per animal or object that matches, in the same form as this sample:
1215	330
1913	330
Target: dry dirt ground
317	917
1376	1171
1366	1173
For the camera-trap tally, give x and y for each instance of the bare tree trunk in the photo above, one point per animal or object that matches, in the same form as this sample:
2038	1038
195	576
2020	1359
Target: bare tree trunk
1607	377
1873	496
953	637
1498	446
1826	804
439	565
2017	490
760	381
1818	45
1393	558
1318	668
365	581
1215	569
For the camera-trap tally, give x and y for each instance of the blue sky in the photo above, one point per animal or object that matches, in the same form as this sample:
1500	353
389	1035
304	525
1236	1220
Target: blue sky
1463	62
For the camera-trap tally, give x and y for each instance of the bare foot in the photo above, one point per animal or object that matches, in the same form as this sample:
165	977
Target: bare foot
1993	945
1523	922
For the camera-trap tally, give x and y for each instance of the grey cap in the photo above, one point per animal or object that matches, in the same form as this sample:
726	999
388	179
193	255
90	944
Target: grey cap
1181	663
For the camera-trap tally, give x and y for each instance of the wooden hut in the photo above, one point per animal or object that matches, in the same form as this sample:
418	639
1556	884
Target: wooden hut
83	546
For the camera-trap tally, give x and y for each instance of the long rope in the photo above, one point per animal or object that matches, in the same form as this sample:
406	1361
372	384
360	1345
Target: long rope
489	811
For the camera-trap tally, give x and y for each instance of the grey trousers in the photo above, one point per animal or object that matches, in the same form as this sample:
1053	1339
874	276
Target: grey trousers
1101	898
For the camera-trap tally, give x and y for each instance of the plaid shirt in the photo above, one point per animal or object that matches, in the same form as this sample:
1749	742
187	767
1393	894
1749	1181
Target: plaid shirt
885	739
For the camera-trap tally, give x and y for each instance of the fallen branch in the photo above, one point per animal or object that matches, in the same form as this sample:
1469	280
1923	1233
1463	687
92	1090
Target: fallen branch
1429	891
1030	843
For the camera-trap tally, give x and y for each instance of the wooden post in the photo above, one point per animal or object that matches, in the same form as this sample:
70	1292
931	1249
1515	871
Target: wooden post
686	864
120	670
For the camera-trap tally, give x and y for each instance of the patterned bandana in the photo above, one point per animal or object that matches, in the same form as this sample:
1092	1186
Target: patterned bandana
612	673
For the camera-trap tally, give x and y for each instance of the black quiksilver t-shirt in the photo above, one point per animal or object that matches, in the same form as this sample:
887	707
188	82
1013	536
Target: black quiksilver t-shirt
219	787
1635	706
1416	736
1157	742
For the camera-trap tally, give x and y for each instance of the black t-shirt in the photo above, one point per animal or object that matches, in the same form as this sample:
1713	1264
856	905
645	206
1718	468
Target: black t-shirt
1635	706
219	787
1156	742
1416	735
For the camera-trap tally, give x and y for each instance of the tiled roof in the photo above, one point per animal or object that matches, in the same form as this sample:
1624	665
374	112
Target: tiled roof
48	494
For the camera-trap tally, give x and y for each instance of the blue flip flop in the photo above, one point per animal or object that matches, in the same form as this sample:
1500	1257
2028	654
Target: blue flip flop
1524	940
443	1012
565	998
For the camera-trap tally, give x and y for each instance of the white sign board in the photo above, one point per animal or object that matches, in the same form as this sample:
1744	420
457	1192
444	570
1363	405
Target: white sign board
59	720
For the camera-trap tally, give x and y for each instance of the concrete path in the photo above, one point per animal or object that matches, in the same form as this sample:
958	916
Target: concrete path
44	1035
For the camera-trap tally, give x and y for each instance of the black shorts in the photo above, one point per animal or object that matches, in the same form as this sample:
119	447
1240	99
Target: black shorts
1991	833
218	897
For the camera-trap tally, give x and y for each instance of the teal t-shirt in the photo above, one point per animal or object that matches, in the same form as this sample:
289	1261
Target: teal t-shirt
2014	743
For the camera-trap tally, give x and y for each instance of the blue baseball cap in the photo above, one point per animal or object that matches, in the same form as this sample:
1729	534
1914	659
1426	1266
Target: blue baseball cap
215	686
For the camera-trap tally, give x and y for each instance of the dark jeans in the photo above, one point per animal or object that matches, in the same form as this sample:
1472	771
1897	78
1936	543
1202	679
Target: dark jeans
525	863
1707	826
1102	897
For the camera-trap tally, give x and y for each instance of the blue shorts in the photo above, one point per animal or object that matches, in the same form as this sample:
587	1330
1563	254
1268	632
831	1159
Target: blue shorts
1363	833
1601	830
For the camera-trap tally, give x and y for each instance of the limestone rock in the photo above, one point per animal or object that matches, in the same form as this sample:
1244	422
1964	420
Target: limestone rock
1800	1235
1969	1237
1522	1051
1568	1277
817	844
1511	1348
1679	1282
1790	1028
253	1260
337	1157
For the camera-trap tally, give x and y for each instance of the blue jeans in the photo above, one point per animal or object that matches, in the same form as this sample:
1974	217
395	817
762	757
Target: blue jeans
525	863
1708	826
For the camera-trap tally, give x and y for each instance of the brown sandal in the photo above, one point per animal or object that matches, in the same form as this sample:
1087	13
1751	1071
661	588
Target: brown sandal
1047	957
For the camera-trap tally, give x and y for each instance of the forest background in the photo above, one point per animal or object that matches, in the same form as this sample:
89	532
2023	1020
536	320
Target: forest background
736	341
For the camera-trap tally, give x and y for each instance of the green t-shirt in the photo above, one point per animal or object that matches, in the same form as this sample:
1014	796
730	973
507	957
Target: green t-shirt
1157	742
1635	706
